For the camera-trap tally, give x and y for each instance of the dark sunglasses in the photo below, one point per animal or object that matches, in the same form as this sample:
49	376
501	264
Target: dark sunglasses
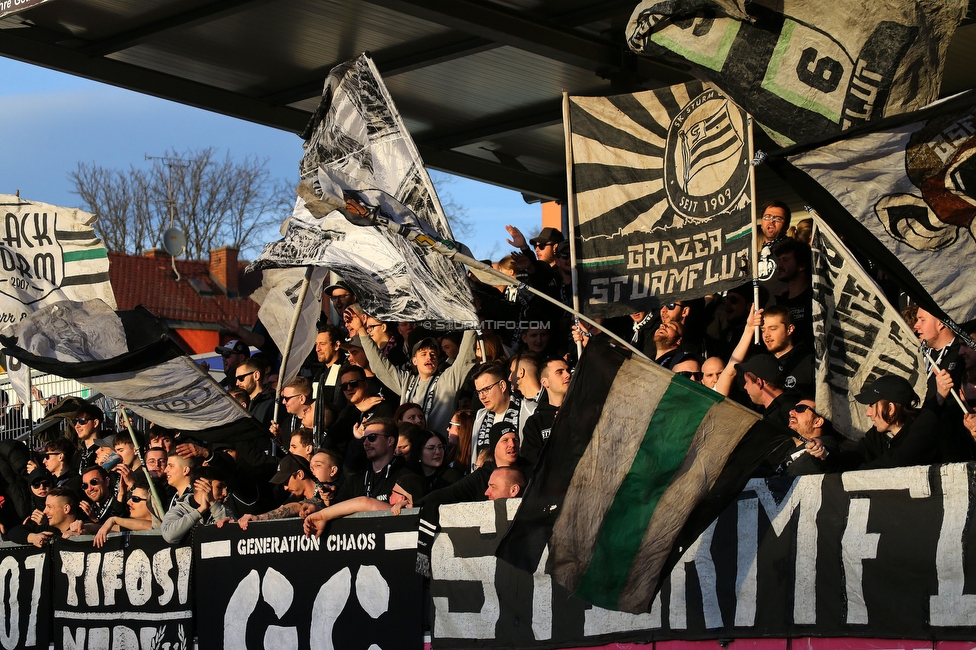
42	483
694	376
285	398
81	421
351	385
225	355
802	408
371	437
95	482
671	306
134	499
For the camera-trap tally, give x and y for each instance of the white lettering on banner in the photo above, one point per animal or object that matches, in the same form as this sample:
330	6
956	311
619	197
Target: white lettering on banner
542	600
700	554
10	606
291	544
122	638
746	570
372	594
135	569
806	496
857	545
447	566
667	281
950	606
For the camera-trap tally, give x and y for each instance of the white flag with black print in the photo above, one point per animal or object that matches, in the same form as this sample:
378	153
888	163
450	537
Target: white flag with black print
859	335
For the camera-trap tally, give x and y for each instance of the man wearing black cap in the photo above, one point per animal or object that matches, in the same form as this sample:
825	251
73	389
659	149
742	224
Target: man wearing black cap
901	436
232	354
295	476
545	245
762	378
341	295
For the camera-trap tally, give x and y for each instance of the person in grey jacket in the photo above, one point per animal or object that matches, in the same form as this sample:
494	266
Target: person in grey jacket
435	391
198	506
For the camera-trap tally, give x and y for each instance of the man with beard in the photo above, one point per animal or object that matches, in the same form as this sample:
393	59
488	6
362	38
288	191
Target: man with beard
797	360
775	222
232	355
667	339
383	467
815	441
555	381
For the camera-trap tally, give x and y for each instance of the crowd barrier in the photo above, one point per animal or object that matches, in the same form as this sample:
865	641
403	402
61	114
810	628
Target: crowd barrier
861	556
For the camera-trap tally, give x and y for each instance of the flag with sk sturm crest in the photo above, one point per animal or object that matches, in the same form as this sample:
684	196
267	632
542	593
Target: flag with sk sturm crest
639	463
662	188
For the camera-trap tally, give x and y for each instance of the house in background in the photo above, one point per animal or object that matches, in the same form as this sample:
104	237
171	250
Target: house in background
205	293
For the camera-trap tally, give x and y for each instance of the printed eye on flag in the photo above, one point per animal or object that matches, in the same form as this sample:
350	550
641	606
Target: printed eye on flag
662	187
358	132
904	191
639	463
802	71
47	254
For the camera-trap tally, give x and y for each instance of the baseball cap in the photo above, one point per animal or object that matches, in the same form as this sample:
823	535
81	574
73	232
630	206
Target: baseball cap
233	346
341	284
426	342
890	387
764	366
548	235
288	466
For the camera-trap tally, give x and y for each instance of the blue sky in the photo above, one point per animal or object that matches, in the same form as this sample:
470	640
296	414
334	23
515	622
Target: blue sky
50	121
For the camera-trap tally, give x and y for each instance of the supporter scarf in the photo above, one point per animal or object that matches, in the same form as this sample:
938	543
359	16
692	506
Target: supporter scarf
637	326
511	416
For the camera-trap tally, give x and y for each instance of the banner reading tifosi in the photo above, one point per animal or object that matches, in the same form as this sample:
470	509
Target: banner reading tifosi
134	592
25	597
272	587
661	181
871	554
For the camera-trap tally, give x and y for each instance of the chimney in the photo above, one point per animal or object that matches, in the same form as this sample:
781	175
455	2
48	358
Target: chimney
223	269
156	254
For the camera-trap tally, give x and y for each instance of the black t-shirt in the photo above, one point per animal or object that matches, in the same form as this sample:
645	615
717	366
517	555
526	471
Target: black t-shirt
798	369
801	315
377	485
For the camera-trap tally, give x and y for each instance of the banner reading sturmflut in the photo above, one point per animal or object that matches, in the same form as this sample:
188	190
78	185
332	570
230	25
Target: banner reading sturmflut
859	336
802	68
661	180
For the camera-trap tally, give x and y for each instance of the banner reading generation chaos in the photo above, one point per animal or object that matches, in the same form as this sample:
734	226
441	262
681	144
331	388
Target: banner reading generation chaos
661	181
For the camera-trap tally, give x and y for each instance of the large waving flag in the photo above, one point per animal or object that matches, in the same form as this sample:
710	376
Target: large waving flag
358	132
129	356
805	72
639	463
662	188
859	335
904	191
48	253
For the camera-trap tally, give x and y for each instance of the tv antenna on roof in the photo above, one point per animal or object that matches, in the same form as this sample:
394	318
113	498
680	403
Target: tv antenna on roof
174	241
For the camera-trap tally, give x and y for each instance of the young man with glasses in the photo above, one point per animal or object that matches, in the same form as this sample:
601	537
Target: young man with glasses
58	455
775	222
495	393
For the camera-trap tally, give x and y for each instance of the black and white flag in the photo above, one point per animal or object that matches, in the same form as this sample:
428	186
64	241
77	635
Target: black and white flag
129	356
802	70
358	132
904	191
662	189
859	335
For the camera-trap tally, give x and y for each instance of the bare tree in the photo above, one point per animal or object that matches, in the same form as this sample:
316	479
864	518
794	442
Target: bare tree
456	213
215	202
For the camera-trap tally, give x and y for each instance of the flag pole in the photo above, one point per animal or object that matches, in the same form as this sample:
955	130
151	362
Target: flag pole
571	208
450	250
286	353
755	234
157	502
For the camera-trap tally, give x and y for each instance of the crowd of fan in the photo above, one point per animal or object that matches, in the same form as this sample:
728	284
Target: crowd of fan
390	415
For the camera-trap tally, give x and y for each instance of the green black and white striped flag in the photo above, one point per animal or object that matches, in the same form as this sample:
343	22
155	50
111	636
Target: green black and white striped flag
639	463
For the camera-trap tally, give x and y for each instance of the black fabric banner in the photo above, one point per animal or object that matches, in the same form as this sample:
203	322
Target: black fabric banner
134	592
883	554
25	597
272	587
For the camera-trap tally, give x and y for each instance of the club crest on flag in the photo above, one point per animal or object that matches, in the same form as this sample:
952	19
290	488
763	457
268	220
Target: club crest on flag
940	163
30	254
705	136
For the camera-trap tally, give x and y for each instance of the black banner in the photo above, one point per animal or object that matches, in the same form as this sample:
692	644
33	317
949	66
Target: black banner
272	587
25	597
883	553
134	592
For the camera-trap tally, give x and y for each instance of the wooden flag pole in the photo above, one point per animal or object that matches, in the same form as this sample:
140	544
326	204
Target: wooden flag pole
571	208
160	511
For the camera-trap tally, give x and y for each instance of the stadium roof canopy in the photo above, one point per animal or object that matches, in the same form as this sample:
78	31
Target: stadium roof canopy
478	82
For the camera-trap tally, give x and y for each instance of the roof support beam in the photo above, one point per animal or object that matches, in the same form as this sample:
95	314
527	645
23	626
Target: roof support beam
495	173
493	126
391	61
163	26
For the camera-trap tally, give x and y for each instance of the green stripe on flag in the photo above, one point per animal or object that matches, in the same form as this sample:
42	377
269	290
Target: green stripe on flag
732	236
662	452
91	254
601	261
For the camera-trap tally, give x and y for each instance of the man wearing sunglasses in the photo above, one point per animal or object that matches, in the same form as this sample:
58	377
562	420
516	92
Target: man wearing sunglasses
232	355
365	404
383	468
57	458
88	426
102	500
817	444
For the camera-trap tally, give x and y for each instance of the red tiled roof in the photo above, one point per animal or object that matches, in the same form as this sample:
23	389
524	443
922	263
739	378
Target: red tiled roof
149	281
